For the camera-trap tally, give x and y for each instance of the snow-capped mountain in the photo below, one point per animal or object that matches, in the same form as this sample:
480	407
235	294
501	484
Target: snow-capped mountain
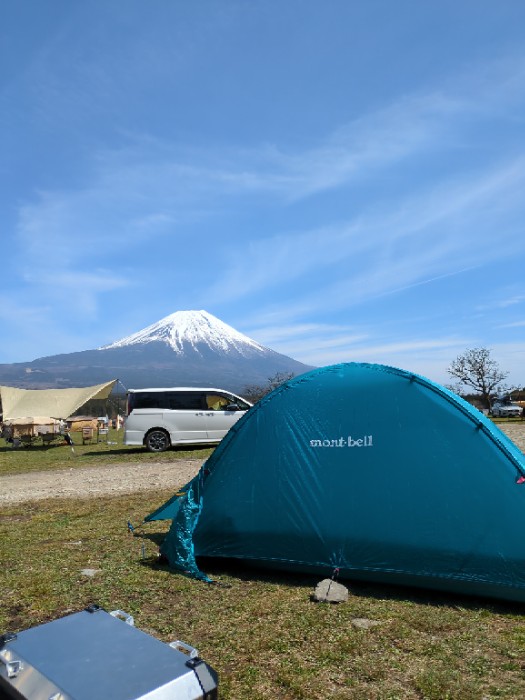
187	348
191	330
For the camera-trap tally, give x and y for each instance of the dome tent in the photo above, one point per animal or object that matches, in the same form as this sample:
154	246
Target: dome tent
368	469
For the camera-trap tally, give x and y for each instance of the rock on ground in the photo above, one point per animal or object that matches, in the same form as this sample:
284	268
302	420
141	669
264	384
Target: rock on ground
329	591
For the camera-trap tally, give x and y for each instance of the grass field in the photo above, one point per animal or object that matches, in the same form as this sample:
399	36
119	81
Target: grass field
258	629
60	456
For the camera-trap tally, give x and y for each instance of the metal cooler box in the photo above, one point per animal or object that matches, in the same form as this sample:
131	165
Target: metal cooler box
96	655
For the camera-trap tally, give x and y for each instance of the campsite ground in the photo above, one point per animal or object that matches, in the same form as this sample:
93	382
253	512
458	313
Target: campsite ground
112	471
82	482
64	543
516	432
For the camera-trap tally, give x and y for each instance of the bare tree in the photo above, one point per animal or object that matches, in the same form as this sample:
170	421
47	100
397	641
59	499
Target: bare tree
255	392
476	369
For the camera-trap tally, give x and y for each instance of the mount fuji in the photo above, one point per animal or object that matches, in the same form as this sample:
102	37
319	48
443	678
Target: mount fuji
186	348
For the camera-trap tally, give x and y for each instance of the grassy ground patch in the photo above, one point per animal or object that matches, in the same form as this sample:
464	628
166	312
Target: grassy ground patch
258	629
58	455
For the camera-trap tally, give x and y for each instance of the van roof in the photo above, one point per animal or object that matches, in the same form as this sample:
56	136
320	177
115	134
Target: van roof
180	388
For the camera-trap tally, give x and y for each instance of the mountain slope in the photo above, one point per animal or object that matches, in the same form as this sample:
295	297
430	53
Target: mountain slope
187	348
184	331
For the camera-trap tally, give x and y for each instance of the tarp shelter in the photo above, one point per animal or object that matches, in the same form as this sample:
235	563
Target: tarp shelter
55	403
370	470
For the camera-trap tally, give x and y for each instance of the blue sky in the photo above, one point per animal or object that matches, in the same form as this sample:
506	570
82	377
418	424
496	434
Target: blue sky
340	180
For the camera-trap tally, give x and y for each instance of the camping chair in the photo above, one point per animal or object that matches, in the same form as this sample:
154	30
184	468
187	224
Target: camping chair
87	434
103	434
26	440
47	436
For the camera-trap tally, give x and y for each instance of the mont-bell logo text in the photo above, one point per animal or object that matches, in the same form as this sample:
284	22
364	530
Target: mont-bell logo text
350	441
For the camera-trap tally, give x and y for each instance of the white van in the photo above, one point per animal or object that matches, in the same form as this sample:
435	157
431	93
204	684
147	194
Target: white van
161	418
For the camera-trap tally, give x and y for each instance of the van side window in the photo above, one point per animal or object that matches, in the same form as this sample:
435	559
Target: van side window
185	400
149	399
216	402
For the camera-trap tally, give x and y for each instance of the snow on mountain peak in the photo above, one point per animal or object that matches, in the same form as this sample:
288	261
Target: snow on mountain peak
193	328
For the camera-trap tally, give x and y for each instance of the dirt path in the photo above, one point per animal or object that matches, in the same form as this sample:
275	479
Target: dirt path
127	478
96	481
516	432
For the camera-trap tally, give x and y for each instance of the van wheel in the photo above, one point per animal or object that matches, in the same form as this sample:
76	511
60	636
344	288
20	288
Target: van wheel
157	441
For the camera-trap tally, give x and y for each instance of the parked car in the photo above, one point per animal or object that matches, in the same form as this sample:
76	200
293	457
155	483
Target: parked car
504	408
163	418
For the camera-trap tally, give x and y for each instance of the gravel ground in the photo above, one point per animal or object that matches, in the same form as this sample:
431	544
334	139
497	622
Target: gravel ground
127	478
516	432
97	481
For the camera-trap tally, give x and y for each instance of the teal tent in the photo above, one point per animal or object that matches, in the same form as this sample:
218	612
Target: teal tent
369	470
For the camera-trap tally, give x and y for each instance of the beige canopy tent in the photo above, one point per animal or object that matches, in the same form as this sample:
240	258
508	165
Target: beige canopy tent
55	403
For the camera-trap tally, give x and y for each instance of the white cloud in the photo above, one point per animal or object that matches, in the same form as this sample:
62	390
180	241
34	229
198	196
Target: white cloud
510	301
419	240
279	333
75	290
151	184
516	324
429	357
